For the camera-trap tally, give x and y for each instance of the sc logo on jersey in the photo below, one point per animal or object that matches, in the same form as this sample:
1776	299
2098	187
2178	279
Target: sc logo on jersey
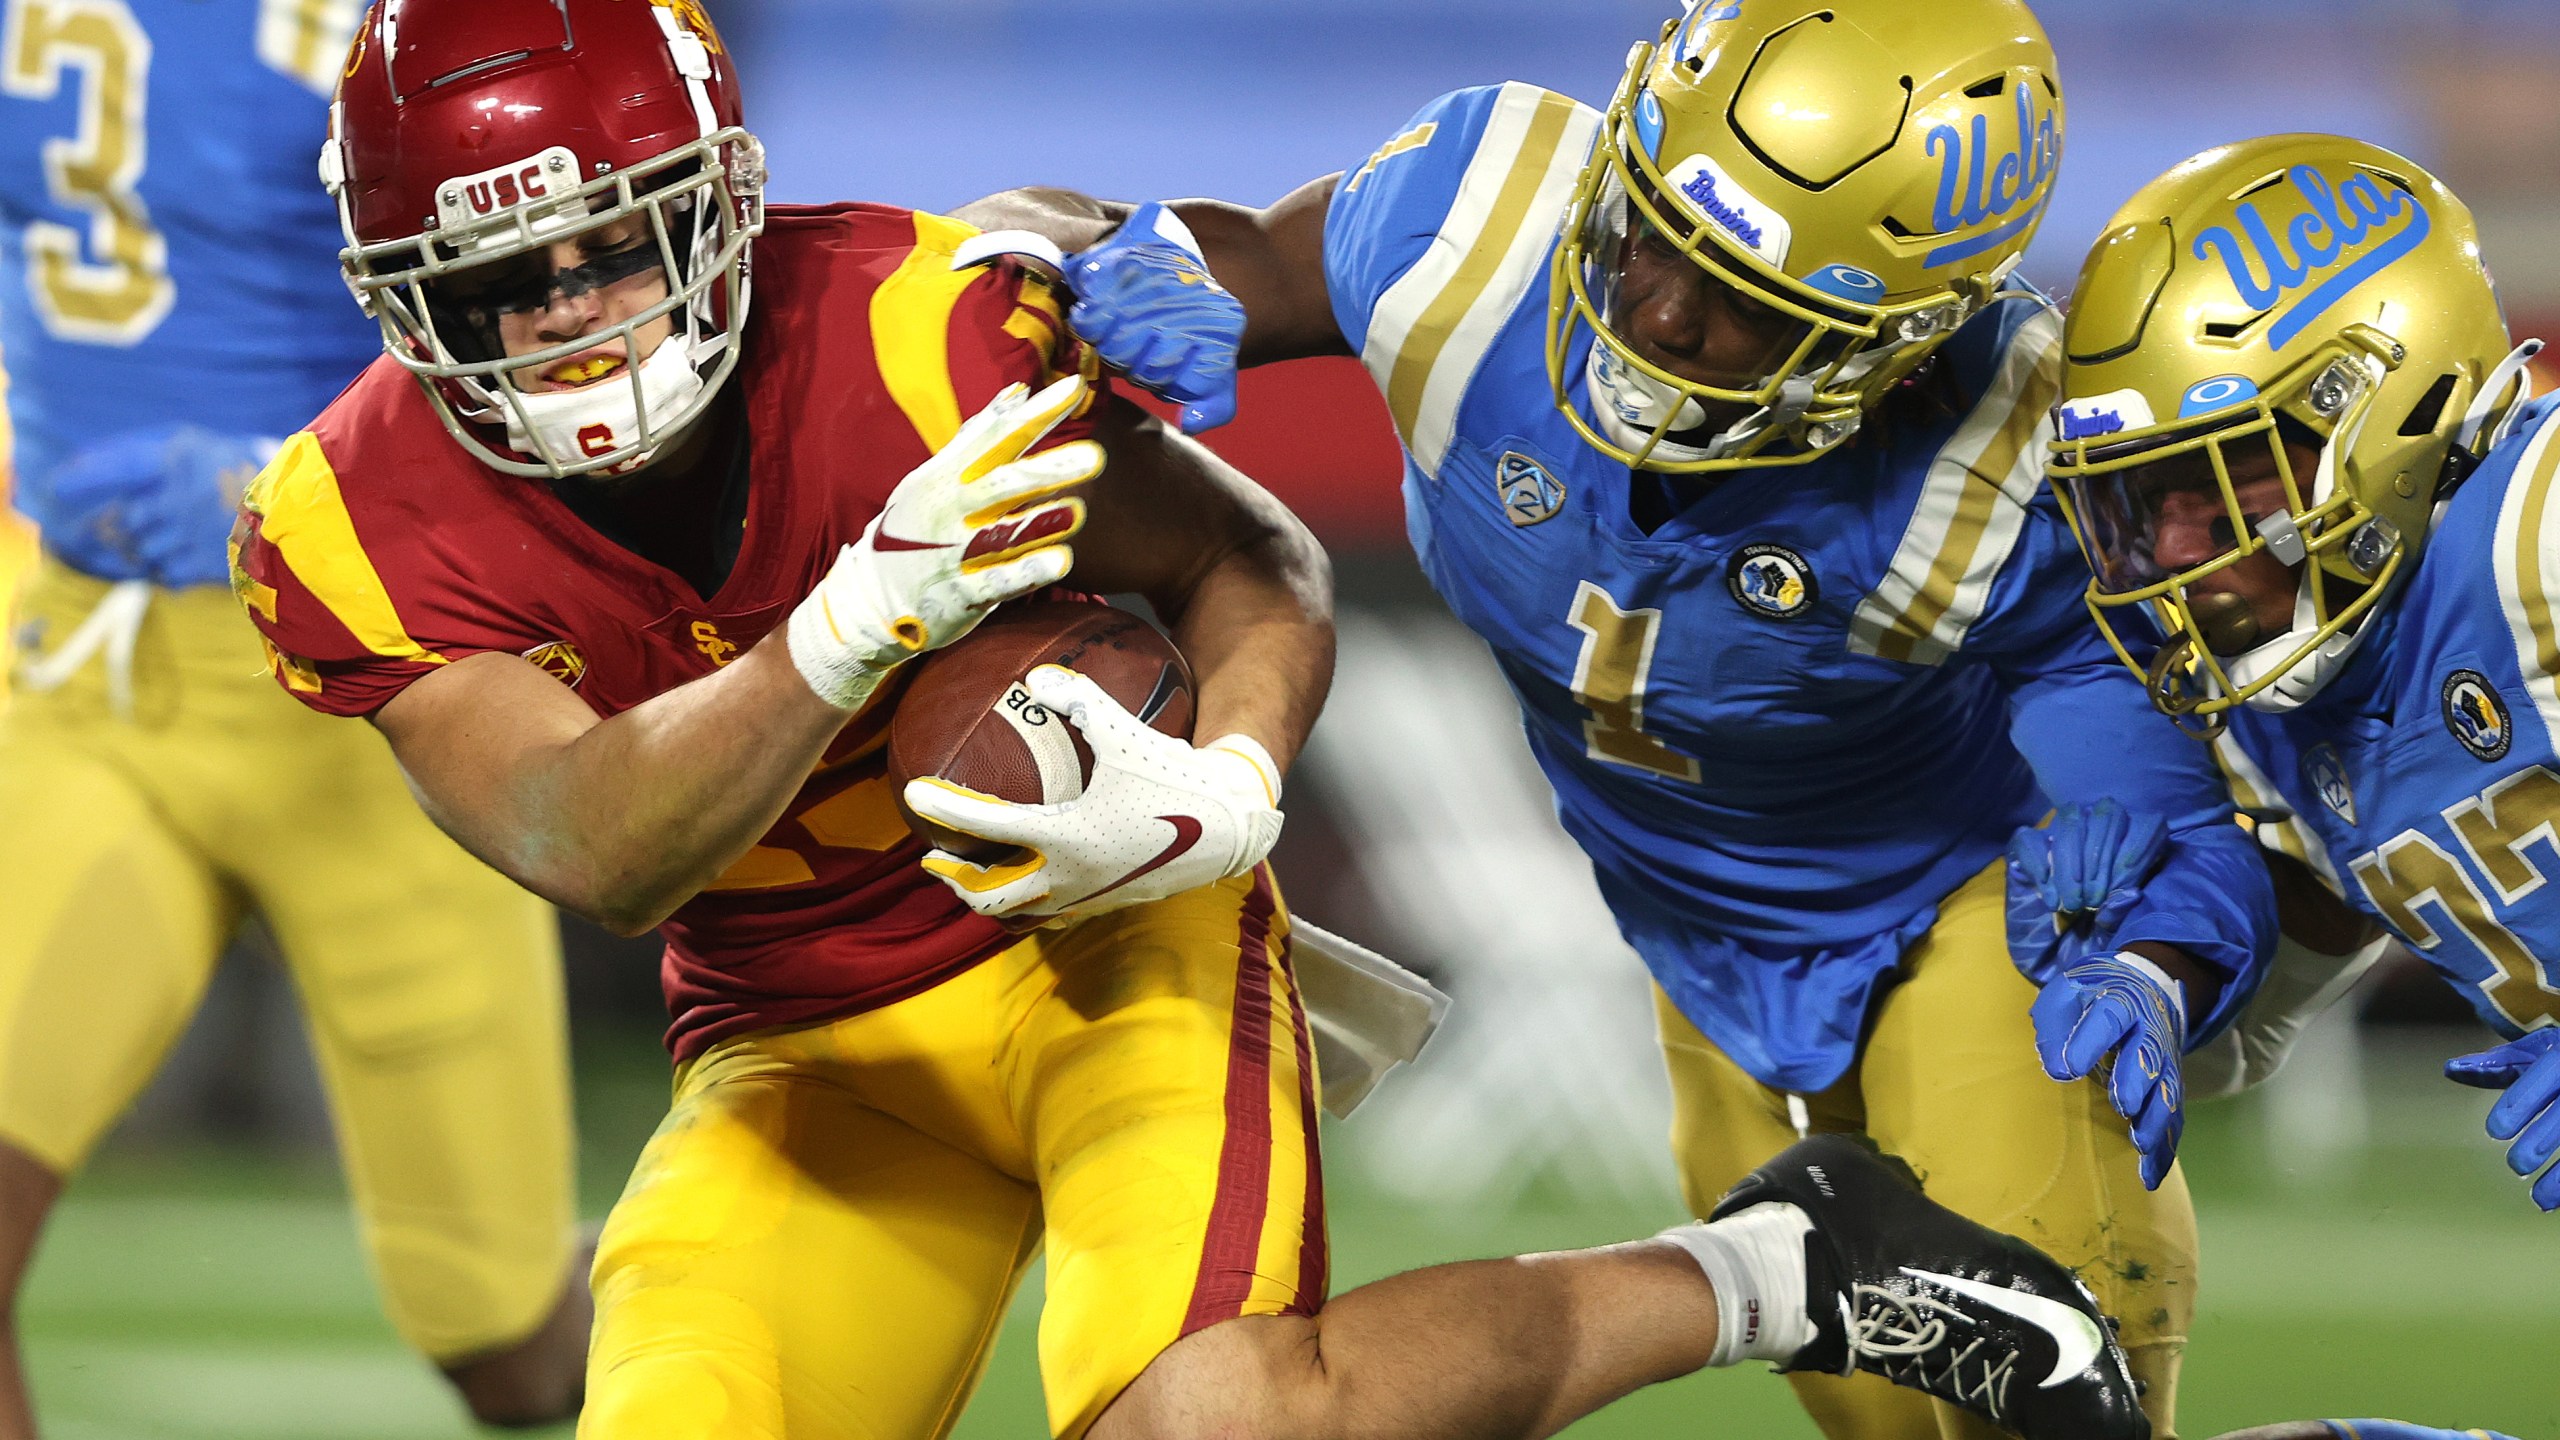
1771	580
2476	716
1529	494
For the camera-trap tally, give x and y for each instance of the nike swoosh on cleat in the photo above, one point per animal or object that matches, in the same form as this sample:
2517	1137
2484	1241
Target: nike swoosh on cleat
886	541
2076	1340
1186	833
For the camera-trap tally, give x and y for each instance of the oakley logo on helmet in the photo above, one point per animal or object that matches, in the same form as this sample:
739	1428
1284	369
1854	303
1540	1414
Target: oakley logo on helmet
2102	415
1974	188
2206	396
467	198
2337	238
1713	195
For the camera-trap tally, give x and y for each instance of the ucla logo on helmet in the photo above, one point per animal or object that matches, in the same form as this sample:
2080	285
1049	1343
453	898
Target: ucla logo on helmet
1771	580
2206	396
2096	415
1977	186
2327	776
2342	236
2476	714
1529	493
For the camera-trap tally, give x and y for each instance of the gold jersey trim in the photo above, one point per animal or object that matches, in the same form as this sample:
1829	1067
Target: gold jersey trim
304	517
1972	509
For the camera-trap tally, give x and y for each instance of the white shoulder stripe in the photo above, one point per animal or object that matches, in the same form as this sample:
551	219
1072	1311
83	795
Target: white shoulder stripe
2527	548
1432	327
2254	791
1971	510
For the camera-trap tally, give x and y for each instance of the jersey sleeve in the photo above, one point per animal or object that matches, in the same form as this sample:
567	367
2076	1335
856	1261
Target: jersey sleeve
335	635
1443	169
946	341
2524	548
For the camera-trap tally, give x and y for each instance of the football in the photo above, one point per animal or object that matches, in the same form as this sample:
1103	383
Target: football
967	718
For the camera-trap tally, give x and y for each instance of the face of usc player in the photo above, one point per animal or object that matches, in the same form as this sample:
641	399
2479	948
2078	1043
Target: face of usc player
584	285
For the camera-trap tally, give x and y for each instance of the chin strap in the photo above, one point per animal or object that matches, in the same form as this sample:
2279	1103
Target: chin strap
2512	370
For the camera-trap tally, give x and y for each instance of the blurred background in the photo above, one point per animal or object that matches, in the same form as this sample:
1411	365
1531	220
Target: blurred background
2366	1251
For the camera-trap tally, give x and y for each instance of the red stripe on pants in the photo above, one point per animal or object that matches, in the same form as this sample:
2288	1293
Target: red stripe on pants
1314	1259
1234	1238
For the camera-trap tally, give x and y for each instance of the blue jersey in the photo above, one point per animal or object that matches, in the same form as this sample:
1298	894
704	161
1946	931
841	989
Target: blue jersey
2422	780
167	253
1787	723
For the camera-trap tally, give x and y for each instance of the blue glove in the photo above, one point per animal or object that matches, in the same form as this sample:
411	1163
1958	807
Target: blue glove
154	504
2073	882
2529	1071
2124	1006
1147	305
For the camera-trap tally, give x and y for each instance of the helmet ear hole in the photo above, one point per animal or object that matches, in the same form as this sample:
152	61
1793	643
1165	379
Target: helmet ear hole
2428	413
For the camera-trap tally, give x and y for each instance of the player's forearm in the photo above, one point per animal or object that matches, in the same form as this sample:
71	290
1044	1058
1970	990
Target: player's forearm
619	820
658	801
1257	628
1271	260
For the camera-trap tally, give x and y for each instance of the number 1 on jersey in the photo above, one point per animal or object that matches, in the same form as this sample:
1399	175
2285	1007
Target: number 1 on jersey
1609	681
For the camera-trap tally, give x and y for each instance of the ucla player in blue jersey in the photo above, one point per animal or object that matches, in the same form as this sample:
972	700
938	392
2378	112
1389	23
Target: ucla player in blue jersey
2296	441
167	302
1724	429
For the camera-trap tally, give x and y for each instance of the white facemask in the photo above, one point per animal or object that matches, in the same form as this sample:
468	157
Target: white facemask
600	419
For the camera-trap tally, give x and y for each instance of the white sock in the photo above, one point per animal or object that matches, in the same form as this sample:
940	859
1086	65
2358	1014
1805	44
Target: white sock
1755	1259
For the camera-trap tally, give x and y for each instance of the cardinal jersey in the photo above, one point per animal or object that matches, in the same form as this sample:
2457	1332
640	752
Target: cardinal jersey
2423	781
375	549
167	254
1782	723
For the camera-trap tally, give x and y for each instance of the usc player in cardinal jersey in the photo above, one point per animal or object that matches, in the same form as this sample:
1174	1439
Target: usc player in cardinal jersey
628	578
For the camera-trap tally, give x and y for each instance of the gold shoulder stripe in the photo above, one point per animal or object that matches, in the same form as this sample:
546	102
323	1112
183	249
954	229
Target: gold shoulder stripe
2528	564
1971	510
911	328
2252	790
1506	217
304	517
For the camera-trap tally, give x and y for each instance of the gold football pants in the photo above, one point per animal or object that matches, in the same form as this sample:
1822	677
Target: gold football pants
1949	1081
431	984
821	1239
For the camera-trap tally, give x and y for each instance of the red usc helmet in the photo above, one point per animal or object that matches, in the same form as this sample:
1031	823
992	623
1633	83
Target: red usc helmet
470	136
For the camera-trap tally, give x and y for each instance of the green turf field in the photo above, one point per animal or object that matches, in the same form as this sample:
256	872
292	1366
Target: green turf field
186	1295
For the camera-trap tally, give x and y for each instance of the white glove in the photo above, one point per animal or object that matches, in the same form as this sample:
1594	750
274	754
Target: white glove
959	536
1159	817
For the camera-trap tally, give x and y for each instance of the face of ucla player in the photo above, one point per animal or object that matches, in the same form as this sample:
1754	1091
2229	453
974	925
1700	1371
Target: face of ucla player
1694	325
2245	603
578	286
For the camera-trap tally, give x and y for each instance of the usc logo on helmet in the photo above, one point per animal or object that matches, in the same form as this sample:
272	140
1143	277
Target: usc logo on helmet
689	14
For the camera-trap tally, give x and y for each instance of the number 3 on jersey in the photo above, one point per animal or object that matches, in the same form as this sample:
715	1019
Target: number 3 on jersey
117	297
1609	681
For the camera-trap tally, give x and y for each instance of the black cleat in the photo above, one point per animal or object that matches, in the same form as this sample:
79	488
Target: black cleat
1902	1287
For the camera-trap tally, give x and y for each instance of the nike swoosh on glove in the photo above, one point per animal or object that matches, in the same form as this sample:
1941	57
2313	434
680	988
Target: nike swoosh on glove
976	525
2128	1008
2529	1071
1146	303
1158	817
2072	882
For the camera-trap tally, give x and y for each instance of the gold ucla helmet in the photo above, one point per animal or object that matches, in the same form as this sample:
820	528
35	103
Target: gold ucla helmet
1869	169
2301	288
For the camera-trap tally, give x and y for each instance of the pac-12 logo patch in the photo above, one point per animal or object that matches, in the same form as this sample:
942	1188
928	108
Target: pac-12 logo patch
1529	493
2327	776
1771	580
2476	716
561	661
